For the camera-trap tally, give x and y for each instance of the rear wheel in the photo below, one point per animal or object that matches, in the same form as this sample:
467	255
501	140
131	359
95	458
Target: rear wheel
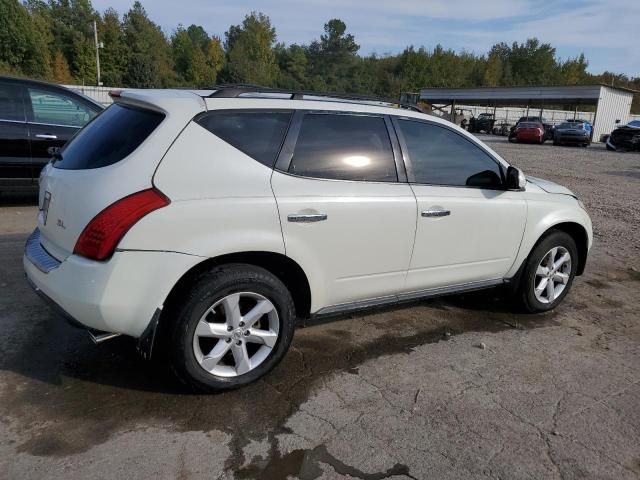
235	325
549	272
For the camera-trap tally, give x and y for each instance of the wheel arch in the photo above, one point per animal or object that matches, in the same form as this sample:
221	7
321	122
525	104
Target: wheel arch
284	268
575	230
579	235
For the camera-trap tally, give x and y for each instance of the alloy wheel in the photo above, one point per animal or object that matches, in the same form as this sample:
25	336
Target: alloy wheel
236	334
552	275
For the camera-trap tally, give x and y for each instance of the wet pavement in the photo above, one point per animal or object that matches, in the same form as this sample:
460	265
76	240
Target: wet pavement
458	387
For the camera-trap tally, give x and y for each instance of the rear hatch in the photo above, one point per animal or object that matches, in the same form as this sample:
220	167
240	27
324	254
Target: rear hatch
113	156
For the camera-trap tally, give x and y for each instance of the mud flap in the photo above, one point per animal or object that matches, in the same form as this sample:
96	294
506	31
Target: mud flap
147	339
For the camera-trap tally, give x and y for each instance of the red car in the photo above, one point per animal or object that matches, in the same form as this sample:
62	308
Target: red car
530	132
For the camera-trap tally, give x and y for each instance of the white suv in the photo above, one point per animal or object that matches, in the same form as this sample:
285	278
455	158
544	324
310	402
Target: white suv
211	220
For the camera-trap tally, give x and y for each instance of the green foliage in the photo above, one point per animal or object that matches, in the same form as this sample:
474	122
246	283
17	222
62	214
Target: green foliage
114	56
150	63
250	48
23	48
54	39
197	58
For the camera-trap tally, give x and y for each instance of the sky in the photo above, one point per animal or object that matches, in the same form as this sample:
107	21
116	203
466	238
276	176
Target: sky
607	32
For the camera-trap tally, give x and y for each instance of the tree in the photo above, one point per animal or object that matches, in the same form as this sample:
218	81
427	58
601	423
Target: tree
72	29
197	58
149	63
334	56
250	48
60	72
114	56
292	63
22	48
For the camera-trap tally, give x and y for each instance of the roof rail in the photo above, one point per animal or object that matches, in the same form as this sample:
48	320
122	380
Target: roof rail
235	90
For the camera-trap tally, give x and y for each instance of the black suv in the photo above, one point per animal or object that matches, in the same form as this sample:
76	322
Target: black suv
34	116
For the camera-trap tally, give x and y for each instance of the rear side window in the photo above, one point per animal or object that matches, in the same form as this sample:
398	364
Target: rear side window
57	109
11	103
344	147
110	137
257	133
440	156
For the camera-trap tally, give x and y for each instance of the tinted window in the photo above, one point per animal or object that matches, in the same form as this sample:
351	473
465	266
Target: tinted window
109	138
344	147
58	109
11	103
259	134
440	156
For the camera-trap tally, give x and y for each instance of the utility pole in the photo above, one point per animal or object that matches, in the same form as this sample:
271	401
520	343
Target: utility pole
98	45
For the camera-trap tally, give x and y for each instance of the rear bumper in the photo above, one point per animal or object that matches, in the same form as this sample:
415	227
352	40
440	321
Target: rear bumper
120	295
572	138
529	138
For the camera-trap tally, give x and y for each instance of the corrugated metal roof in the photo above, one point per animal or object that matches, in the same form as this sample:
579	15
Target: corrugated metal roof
573	94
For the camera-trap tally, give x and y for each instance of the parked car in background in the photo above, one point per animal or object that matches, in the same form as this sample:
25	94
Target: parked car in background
548	127
586	125
482	123
221	217
574	133
625	138
35	116
530	132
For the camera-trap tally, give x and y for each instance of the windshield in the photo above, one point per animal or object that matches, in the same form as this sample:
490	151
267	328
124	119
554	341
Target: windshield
529	125
571	125
634	123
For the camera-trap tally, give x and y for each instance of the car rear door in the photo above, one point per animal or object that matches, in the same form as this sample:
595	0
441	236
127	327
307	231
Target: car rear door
347	213
53	118
15	161
469	228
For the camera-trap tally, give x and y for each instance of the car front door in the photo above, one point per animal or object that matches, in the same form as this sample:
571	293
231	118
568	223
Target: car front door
469	228
347	213
15	158
54	118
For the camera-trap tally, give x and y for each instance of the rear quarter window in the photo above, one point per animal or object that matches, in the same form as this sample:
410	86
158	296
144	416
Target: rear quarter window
110	137
258	133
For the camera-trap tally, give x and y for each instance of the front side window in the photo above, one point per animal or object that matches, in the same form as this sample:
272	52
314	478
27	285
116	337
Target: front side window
11	103
440	156
344	147
56	109
259	134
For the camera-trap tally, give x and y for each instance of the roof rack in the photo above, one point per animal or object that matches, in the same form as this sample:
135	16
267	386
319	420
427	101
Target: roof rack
235	90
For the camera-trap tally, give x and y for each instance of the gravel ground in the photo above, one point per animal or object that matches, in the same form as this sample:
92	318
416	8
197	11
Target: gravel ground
458	387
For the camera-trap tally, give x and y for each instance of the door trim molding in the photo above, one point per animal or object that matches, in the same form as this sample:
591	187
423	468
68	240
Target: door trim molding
406	297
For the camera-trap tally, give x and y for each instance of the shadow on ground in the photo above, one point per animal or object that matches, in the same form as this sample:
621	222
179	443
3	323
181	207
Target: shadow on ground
86	392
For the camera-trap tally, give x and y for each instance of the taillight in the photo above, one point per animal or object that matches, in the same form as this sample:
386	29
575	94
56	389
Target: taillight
100	237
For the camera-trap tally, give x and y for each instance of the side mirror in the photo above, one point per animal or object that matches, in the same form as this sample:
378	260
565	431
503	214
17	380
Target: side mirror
53	151
515	179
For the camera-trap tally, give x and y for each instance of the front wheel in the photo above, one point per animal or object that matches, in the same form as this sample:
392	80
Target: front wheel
549	272
234	326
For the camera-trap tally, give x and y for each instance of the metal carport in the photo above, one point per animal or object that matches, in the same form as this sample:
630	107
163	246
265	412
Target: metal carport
613	104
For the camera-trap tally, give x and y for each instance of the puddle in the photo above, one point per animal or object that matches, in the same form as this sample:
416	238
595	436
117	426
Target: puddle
305	465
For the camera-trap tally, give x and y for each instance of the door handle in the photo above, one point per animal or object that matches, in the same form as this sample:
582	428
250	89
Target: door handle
436	213
47	136
306	217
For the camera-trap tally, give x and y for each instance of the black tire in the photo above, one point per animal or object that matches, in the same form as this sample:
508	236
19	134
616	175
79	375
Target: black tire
208	289
556	143
526	298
